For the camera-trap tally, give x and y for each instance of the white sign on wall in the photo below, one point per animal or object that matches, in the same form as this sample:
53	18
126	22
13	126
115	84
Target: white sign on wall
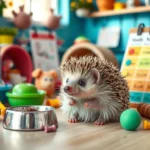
44	50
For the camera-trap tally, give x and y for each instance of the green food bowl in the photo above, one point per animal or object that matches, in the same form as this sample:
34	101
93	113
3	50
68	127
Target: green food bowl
25	94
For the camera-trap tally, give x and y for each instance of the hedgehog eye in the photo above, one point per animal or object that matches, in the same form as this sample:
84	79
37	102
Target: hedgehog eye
81	83
67	80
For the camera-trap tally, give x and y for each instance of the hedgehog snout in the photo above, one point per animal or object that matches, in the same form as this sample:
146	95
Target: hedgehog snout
68	89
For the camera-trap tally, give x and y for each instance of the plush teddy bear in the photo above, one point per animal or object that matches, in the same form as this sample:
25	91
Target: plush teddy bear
45	80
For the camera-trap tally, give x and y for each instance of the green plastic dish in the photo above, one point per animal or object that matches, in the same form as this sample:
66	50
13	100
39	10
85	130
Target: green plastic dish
25	94
24	88
22	100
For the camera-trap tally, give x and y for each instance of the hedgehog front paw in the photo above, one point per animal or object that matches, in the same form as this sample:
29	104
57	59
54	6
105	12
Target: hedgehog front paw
92	104
99	122
72	120
72	102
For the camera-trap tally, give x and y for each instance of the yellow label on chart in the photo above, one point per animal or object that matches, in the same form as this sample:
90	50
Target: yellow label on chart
141	74
145	51
128	73
138	85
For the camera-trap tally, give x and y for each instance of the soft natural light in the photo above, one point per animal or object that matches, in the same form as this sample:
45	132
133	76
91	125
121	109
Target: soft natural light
39	8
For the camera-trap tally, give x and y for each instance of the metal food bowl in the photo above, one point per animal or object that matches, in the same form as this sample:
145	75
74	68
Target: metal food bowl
29	120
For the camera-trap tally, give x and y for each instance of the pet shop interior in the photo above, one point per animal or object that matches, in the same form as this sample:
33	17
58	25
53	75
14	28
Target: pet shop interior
74	74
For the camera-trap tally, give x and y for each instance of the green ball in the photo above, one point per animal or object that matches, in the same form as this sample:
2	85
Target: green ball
130	119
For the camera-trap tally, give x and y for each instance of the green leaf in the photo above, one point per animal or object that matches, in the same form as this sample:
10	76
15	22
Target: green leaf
8	31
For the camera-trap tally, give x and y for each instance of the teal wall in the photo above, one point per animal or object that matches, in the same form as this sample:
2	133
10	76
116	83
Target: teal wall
72	27
90	27
125	22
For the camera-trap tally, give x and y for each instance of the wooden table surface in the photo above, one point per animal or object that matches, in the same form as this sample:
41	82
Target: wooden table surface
79	136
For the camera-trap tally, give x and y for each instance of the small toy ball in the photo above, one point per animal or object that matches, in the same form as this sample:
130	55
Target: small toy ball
81	39
130	119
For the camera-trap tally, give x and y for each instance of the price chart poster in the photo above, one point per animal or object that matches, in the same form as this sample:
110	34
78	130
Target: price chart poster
136	67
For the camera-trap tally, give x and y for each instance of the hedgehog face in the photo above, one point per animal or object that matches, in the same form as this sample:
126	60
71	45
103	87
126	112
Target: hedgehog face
79	85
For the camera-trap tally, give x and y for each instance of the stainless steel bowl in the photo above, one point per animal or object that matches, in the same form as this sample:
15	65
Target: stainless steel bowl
29	120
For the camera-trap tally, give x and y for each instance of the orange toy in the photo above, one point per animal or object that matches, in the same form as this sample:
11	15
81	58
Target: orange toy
53	102
144	110
45	80
2	109
146	125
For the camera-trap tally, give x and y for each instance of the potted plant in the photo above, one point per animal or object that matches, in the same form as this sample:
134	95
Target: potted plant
2	6
7	35
104	5
82	7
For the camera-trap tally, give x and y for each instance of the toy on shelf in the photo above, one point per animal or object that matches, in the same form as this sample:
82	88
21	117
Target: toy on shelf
87	48
119	6
55	102
21	19
132	3
146	125
14	55
45	80
25	94
2	109
53	21
130	119
81	39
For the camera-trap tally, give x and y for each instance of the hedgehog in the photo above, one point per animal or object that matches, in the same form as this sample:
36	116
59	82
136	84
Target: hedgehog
92	90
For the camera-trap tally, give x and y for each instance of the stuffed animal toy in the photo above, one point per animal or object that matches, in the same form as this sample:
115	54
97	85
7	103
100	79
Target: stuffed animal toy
45	80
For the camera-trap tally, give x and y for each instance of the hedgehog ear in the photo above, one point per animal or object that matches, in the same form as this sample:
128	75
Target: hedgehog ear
96	75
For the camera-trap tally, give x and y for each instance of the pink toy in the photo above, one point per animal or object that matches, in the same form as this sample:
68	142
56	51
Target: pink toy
22	20
48	129
45	80
53	21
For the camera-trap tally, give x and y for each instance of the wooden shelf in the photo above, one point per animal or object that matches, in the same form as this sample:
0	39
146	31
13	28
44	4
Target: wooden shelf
140	9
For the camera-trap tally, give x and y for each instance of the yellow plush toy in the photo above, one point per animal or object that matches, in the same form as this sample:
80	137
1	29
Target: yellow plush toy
2	109
54	102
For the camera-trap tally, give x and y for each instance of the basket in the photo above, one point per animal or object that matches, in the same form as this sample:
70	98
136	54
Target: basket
83	49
